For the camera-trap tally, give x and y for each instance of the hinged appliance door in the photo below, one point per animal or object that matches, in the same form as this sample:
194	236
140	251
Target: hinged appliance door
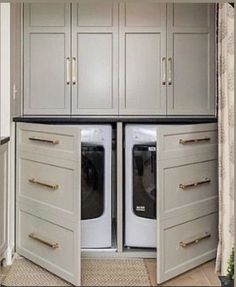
48	198
187	197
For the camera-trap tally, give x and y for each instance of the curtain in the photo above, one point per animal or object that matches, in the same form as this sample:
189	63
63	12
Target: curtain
226	134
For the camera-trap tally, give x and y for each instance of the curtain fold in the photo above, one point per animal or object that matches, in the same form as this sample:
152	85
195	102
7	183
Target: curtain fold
226	134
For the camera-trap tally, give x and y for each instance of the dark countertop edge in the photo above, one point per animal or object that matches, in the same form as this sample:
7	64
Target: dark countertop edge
4	140
79	120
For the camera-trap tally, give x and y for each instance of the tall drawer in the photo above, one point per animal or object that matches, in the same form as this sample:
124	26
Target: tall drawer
52	140
189	244
49	245
186	140
49	181
187	183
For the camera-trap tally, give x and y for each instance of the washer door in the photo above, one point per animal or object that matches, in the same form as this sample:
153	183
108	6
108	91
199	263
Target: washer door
93	177
144	180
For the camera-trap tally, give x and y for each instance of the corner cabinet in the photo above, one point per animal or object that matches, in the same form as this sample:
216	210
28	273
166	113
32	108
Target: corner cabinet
129	58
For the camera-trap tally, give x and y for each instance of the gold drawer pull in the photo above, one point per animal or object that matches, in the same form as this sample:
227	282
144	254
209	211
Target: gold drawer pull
206	139
53	142
194	184
53	245
45	184
195	239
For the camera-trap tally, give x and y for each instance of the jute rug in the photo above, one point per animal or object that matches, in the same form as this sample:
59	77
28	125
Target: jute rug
107	272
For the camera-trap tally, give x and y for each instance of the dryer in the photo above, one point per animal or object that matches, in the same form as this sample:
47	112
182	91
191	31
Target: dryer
96	151
140	186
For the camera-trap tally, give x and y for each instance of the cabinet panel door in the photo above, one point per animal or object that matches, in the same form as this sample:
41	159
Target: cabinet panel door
186	201
47	233
190	59
3	197
46	49
142	59
95	58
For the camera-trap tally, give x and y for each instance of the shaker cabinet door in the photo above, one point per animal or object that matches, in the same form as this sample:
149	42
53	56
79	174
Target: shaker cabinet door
46	56
142	59
95	58
48	198
191	59
187	198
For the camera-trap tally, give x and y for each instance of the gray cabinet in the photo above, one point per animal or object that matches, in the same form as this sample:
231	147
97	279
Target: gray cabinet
46	49
95	58
190	59
58	82
127	58
142	58
3	199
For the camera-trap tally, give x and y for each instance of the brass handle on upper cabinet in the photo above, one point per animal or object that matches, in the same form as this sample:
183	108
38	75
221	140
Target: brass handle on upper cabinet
207	139
74	76
169	71
53	245
44	184
163	71
195	239
194	184
67	70
53	142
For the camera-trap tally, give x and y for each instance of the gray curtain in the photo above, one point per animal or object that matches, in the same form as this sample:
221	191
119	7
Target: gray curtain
226	134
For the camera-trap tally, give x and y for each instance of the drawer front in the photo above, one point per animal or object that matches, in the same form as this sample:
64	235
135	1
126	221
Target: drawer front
189	243
179	141
49	182
52	140
48	245
192	184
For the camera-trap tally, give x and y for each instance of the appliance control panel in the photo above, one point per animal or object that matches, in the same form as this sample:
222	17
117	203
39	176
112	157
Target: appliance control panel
141	134
92	135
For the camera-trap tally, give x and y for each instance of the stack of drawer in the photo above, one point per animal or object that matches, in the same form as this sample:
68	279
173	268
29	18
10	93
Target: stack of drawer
187	199
48	197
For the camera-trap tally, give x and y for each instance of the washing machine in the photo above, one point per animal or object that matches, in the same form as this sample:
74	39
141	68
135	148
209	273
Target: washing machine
96	152
140	186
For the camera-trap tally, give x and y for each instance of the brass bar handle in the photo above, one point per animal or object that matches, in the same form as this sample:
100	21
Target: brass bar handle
194	184
163	71
169	71
44	184
194	240
53	142
206	139
68	71
74	74
38	238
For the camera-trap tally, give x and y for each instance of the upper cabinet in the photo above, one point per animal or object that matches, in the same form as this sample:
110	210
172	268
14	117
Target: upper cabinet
46	50
142	58
190	59
107	58
95	58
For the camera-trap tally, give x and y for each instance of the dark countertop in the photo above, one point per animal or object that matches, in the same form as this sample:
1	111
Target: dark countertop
4	140
86	120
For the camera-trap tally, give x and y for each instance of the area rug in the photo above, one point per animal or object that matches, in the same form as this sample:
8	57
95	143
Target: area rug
95	272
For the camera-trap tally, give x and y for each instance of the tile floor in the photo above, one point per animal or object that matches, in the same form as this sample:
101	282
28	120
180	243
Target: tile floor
203	275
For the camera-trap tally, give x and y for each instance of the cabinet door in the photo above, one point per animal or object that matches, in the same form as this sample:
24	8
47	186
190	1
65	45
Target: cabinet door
187	204
191	59
46	49
48	198
3	197
95	58
142	61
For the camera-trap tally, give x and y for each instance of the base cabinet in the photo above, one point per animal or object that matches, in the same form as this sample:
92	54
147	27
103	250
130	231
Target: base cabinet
49	222
3	199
